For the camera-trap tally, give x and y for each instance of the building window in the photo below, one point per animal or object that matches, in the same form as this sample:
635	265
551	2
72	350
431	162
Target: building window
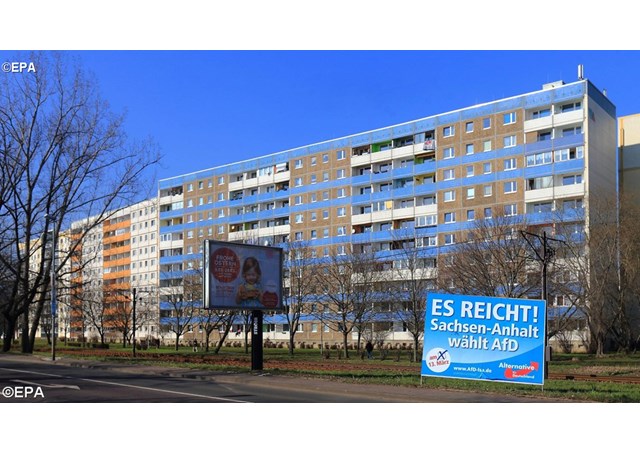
510	164
314	216
426	220
471	215
342	212
313	198
449	174
510	210
313	160
449	217
448	153
509	118
298	236
341	192
325	176
571	179
568	154
325	233
509	141
471	193
510	187
469	171
569	131
340	173
299	218
469	148
449	239
449	195
571	107
486	146
220	180
297	163
314	234
544	136
297	200
325	158
341	250
340	154
539	159
325	214
342	231
487	190
325	195
572	204
486	168
542	113
468	127
448	131
487	213
542	182
313	179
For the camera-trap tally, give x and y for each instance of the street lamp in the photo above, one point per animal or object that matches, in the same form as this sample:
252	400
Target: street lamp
134	322
54	306
545	257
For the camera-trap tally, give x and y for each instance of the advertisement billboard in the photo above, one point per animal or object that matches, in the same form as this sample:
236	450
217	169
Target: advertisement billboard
484	338
242	277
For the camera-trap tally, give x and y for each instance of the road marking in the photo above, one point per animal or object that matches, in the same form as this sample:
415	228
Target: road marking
50	386
231	400
173	392
34	372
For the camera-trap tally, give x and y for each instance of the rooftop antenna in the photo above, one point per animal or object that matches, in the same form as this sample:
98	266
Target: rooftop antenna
580	72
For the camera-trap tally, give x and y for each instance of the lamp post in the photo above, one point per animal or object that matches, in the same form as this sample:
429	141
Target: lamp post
54	305
134	322
545	257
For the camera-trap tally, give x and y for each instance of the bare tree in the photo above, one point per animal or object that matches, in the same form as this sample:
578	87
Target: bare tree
216	320
301	285
627	292
413	274
183	299
593	257
495	260
94	311
63	154
347	285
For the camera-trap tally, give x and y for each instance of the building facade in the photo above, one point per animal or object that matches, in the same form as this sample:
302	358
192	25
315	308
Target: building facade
430	179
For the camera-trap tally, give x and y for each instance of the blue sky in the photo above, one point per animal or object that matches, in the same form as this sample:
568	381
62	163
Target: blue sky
208	108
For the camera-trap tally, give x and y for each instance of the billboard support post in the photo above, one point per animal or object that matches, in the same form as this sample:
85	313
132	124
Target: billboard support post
256	340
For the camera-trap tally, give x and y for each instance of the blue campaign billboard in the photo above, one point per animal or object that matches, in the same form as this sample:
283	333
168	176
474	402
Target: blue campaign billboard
484	338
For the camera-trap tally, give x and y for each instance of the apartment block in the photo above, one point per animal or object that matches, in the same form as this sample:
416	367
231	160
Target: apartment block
629	157
113	257
426	180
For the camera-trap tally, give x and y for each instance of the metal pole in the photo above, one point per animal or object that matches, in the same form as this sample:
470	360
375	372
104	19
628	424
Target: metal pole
545	261
134	322
54	306
256	341
53	301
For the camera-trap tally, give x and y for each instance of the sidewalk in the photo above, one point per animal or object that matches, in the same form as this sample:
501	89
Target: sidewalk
309	384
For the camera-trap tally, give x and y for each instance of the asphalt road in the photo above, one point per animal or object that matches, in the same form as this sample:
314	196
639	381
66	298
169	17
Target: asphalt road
30	379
